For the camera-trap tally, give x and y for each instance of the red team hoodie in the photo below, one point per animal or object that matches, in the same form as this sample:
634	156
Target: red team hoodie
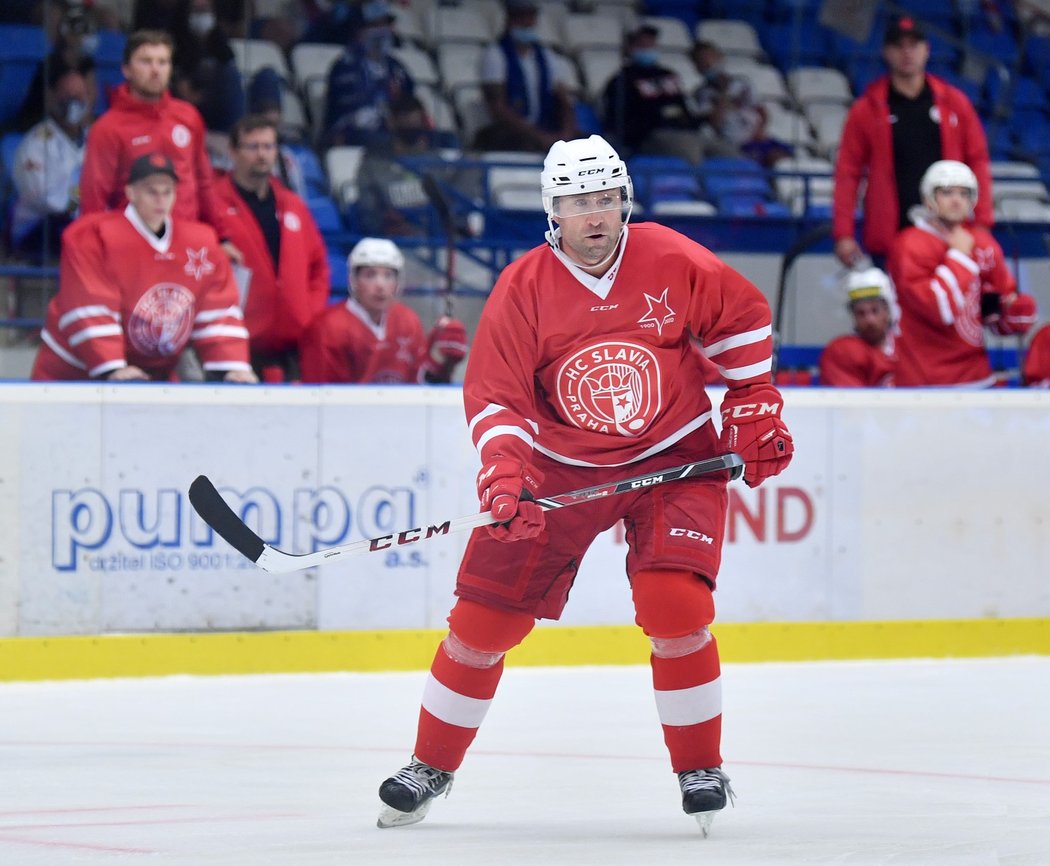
132	128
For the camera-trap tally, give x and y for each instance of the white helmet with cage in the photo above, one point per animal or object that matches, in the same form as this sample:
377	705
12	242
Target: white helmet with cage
581	166
947	173
377	253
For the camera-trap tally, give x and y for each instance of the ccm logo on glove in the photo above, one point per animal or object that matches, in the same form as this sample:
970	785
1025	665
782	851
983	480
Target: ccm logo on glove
751	427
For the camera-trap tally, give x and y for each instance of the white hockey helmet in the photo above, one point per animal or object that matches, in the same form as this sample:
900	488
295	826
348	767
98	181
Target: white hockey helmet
947	173
870	283
580	166
375	252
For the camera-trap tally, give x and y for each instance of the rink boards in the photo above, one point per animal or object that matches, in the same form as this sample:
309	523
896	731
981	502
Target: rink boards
910	523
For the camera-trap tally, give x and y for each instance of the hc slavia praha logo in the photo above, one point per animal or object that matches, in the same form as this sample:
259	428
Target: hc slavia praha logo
610	387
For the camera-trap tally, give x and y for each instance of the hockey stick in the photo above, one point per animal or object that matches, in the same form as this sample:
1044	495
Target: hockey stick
210	505
448	226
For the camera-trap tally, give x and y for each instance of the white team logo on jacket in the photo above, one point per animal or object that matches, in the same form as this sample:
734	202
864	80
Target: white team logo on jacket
610	387
180	135
162	319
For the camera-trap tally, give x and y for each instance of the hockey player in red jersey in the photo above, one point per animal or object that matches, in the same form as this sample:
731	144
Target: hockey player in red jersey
866	358
373	337
952	282
583	365
137	286
1036	370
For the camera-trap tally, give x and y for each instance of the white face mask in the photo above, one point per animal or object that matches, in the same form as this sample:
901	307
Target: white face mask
74	111
202	23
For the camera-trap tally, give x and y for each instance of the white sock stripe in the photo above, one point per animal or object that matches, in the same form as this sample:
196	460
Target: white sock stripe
452	707
690	706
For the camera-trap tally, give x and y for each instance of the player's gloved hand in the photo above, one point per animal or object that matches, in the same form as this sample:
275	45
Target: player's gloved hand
1017	314
446	347
506	488
751	427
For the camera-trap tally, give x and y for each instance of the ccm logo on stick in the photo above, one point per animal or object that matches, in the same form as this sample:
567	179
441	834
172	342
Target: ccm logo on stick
645	482
675	532
751	410
408	536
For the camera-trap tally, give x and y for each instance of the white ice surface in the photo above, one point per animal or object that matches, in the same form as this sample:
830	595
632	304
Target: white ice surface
905	763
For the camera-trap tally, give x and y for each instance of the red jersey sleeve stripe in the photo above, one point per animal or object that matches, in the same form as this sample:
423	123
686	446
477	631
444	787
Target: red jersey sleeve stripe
737	340
89	312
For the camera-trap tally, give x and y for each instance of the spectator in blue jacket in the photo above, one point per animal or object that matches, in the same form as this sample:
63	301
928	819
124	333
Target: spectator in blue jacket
364	81
525	87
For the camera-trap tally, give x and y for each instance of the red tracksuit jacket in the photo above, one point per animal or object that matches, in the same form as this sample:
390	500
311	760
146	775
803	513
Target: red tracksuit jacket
132	128
867	147
282	303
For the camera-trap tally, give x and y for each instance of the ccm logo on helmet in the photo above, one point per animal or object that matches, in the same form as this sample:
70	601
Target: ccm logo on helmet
589	171
751	410
675	532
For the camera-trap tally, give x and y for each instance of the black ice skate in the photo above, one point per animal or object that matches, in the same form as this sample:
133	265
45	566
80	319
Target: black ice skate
704	792
407	794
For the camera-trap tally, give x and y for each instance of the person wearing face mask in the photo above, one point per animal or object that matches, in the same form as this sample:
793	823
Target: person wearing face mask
525	88
47	169
645	106
391	201
205	71
364	81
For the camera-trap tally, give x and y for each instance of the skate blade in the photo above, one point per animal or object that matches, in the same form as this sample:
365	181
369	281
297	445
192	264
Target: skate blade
704	819
390	817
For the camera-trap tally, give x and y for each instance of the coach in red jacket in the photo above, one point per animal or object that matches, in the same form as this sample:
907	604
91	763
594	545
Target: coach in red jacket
903	123
144	118
285	278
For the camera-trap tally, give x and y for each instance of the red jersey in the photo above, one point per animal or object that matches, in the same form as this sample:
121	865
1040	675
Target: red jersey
343	344
850	362
1037	360
939	291
602	371
281	301
867	148
127	297
132	128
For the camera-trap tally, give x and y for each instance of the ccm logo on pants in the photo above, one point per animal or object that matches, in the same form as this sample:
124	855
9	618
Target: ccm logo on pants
675	532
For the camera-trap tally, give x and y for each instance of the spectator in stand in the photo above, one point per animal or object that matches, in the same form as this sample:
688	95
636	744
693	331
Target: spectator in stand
205	72
389	193
372	337
144	118
735	123
903	123
1036	369
284	281
952	282
47	169
644	104
364	81
137	287
866	358
525	88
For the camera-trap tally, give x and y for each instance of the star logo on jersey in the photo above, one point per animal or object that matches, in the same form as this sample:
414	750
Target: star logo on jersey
985	258
197	264
658	314
404	350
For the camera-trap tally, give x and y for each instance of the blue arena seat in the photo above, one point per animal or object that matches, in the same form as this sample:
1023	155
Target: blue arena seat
22	48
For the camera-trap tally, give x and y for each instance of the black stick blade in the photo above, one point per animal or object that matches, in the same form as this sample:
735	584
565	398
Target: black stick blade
213	509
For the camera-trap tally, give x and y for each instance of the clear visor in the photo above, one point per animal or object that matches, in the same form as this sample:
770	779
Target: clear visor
589	202
964	191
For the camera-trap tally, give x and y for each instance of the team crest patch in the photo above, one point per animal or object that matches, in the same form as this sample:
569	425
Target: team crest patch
180	135
162	320
610	387
197	264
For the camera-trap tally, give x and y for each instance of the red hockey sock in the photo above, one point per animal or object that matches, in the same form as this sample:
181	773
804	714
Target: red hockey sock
689	701
455	701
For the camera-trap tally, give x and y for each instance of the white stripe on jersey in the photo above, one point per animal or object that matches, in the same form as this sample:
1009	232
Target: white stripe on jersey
220	331
690	706
952	284
211	315
452	707
506	430
747	372
93	332
54	346
737	340
678	434
86	313
942	302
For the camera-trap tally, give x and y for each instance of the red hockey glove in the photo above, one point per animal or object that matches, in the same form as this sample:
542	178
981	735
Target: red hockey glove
751	427
1017	314
506	487
446	347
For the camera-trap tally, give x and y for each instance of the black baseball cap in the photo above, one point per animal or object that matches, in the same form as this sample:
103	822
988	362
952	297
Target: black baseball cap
151	164
904	27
